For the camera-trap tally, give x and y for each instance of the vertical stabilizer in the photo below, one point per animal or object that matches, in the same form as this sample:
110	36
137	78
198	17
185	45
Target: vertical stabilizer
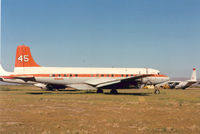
24	57
194	77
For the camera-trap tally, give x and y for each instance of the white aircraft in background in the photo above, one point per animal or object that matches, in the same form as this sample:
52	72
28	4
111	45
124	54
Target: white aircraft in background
184	84
28	71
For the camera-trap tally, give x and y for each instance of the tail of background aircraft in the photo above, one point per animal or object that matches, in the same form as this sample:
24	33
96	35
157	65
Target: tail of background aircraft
24	57
193	77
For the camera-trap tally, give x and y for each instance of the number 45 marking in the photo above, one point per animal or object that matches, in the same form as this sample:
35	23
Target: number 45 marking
23	58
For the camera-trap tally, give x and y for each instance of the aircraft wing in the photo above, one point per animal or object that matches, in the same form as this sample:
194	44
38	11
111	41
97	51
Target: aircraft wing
108	83
136	77
81	86
189	83
97	83
111	81
174	82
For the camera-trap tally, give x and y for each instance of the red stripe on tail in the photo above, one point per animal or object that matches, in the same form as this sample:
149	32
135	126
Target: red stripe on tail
24	58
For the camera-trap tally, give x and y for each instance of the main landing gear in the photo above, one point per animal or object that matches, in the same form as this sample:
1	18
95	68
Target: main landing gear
50	88
113	91
100	91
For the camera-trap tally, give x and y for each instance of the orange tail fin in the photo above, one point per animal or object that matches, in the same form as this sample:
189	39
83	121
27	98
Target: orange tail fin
24	58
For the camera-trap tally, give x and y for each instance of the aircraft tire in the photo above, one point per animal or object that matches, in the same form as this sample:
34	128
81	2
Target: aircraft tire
113	91
157	91
50	88
100	91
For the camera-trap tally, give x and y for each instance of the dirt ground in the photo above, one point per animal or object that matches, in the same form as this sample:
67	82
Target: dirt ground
28	110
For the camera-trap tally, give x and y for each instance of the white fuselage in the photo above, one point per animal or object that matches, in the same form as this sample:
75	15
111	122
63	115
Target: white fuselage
64	76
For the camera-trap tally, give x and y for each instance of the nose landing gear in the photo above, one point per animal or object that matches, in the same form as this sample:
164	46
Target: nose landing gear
157	91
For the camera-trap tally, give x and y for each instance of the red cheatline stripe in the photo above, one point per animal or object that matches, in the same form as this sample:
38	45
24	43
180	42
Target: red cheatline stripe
7	77
156	75
84	75
58	78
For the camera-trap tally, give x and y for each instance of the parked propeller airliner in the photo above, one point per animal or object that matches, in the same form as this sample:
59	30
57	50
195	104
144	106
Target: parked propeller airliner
28	71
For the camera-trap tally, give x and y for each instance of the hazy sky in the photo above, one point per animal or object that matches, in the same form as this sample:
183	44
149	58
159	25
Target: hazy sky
160	34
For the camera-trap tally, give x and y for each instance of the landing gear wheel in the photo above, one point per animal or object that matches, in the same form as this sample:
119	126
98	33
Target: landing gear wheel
113	91
157	91
50	88
100	91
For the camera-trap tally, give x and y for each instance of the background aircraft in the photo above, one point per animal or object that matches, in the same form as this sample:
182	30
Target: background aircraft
183	84
28	71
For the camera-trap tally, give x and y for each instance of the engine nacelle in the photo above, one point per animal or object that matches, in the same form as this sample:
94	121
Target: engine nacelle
41	85
49	87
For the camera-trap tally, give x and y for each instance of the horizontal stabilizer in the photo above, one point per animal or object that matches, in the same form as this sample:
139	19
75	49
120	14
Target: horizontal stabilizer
3	72
24	78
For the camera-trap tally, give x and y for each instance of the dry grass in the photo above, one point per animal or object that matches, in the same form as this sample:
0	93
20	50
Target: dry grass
26	110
